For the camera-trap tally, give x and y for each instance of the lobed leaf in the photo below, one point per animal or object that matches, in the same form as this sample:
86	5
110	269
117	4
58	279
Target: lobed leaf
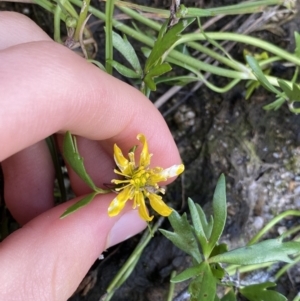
265	251
182	237
259	292
165	42
203	287
293	93
155	72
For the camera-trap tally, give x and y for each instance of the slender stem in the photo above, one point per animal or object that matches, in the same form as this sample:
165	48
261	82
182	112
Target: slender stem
241	8
229	36
132	260
286	267
271	224
109	10
171	288
82	17
57	18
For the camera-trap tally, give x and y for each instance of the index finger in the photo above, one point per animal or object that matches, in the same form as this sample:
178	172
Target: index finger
46	88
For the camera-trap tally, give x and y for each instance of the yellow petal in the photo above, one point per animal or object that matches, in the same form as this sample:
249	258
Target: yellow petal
158	205
172	171
120	160
119	201
143	211
145	156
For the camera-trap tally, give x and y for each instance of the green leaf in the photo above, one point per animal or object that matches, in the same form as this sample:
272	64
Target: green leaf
275	105
260	75
203	288
124	70
293	93
230	296
165	42
265	251
259	292
187	274
199	231
98	64
155	72
74	159
182	237
83	202
126	49
207	226
217	271
219	212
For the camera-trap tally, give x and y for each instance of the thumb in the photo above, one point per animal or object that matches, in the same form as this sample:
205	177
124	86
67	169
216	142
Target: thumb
54	254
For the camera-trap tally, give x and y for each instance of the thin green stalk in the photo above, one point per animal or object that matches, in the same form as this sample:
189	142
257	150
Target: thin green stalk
286	267
236	9
57	18
140	18
171	288
247	7
82	17
231	269
271	224
240	38
48	6
290	232
131	261
109	11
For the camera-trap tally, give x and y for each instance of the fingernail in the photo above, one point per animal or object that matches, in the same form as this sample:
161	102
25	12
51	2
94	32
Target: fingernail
128	225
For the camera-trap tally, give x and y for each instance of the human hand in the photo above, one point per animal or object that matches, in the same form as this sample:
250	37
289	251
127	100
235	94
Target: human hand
45	89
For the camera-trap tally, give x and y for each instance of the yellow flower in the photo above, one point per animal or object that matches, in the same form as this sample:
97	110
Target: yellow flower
140	182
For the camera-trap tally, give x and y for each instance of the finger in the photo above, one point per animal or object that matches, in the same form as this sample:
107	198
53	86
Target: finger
28	185
56	254
18	29
70	94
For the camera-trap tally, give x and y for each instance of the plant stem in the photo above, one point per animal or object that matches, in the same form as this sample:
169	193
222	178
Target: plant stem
81	19
109	10
271	224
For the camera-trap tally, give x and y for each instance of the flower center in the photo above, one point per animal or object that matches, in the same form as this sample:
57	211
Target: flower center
140	177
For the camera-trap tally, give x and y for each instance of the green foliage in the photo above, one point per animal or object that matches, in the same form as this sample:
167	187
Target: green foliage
260	292
74	159
83	202
265	251
166	41
201	241
182	237
203	287
126	49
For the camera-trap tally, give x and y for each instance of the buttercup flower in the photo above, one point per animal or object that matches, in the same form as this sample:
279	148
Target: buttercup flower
140	182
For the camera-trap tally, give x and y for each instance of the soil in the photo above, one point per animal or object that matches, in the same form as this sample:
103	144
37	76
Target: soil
258	151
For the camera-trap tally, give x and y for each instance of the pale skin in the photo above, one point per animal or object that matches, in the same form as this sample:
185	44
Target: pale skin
45	89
